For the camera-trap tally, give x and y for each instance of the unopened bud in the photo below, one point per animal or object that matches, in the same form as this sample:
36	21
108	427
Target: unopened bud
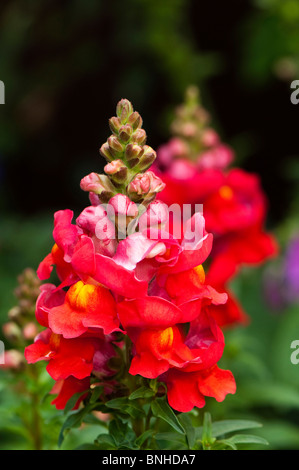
145	184
12	359
209	137
15	313
98	184
135	120
139	137
125	133
115	124
147	159
123	110
115	146
122	205
12	331
133	151
30	331
117	170
106	152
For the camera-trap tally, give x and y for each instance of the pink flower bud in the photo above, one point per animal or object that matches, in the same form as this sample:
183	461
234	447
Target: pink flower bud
30	331
122	205
95	223
209	137
117	170
98	184
12	331
156	215
216	158
145	184
12	359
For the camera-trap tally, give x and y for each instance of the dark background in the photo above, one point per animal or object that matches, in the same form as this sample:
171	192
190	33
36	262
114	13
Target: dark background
65	65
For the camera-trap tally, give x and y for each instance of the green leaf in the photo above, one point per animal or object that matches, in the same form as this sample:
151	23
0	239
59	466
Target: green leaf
248	439
122	434
220	428
278	395
161	409
72	402
87	447
186	422
96	393
73	420
125	407
219	445
142	392
239	439
207	437
105	442
144	436
171	436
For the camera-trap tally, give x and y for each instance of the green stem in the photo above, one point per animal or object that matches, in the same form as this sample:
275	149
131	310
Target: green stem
35	428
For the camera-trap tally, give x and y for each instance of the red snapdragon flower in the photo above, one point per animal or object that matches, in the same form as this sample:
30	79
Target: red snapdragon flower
124	272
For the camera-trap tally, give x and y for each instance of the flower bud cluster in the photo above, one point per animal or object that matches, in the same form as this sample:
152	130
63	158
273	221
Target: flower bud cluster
22	326
194	138
128	159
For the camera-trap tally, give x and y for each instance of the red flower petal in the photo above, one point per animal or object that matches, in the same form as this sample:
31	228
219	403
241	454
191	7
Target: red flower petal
148	312
86	306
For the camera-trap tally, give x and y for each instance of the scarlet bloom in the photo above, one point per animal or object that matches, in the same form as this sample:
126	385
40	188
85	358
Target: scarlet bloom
66	236
65	389
86	306
67	357
124	272
189	389
234	208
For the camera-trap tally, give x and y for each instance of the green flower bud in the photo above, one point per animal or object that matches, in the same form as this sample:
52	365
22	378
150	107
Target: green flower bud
106	152
147	159
135	120
116	148
123	110
125	133
115	125
139	137
133	151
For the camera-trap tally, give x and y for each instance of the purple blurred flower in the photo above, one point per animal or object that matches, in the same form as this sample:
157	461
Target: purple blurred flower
281	281
291	270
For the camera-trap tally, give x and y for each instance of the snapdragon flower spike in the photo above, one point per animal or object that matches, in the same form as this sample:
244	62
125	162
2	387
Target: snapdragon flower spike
122	272
128	157
195	165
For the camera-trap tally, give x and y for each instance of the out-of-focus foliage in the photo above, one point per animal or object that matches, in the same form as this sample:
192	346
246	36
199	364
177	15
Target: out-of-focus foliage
271	40
62	64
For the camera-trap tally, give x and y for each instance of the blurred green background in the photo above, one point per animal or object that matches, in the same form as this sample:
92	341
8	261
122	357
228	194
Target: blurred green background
65	64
